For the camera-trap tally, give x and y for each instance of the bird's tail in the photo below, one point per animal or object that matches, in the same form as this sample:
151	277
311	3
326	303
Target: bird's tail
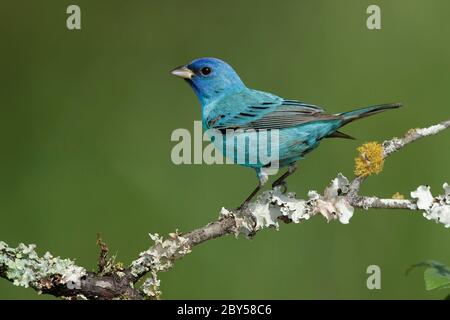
350	116
367	111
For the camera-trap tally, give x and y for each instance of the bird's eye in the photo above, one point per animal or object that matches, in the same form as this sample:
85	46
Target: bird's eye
205	71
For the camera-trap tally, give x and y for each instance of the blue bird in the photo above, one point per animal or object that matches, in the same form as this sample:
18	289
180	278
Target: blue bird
228	104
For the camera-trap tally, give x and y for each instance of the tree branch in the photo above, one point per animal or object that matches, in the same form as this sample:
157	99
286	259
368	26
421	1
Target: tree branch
63	278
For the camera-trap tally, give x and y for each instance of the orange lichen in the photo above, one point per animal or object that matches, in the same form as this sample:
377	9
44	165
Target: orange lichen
412	131
398	196
370	159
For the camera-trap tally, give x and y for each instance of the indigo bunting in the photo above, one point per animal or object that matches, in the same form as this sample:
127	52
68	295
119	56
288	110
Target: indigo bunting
228	104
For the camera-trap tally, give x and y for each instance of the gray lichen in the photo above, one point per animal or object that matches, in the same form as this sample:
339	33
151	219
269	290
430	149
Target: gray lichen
272	205
23	267
160	257
151	286
333	204
430	130
435	208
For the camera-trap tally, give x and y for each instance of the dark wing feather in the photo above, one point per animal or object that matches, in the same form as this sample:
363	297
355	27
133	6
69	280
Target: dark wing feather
290	115
271	114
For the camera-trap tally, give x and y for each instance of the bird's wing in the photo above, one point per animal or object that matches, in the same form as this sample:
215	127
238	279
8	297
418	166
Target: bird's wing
260	110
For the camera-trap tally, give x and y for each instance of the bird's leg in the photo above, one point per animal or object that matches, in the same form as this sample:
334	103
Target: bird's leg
281	180
249	198
263	177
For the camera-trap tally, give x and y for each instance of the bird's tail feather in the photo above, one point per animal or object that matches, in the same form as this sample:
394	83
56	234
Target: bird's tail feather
367	111
339	134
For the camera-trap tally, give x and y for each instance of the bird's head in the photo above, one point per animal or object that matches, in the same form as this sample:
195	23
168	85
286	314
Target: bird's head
210	78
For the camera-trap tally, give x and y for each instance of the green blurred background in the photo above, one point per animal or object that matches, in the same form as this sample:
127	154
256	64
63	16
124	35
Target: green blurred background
86	118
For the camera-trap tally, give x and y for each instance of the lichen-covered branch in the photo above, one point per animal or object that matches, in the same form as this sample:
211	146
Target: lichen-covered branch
377	203
395	144
63	278
371	162
60	277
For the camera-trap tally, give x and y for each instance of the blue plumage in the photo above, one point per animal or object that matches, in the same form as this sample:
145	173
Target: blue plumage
228	104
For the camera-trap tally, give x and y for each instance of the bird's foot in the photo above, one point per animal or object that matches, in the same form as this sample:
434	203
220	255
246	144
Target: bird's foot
282	185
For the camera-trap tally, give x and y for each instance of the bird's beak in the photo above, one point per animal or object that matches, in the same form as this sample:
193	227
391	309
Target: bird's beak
182	72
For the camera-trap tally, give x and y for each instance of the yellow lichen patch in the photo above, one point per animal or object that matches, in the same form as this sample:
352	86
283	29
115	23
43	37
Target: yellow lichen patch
398	196
411	131
370	159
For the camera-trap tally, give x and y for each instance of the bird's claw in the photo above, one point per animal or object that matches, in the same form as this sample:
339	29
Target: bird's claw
282	185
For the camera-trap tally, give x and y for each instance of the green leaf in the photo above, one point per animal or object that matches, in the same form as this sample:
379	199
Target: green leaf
436	275
434	279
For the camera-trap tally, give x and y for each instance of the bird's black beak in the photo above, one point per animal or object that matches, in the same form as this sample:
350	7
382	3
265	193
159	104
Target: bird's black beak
182	72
